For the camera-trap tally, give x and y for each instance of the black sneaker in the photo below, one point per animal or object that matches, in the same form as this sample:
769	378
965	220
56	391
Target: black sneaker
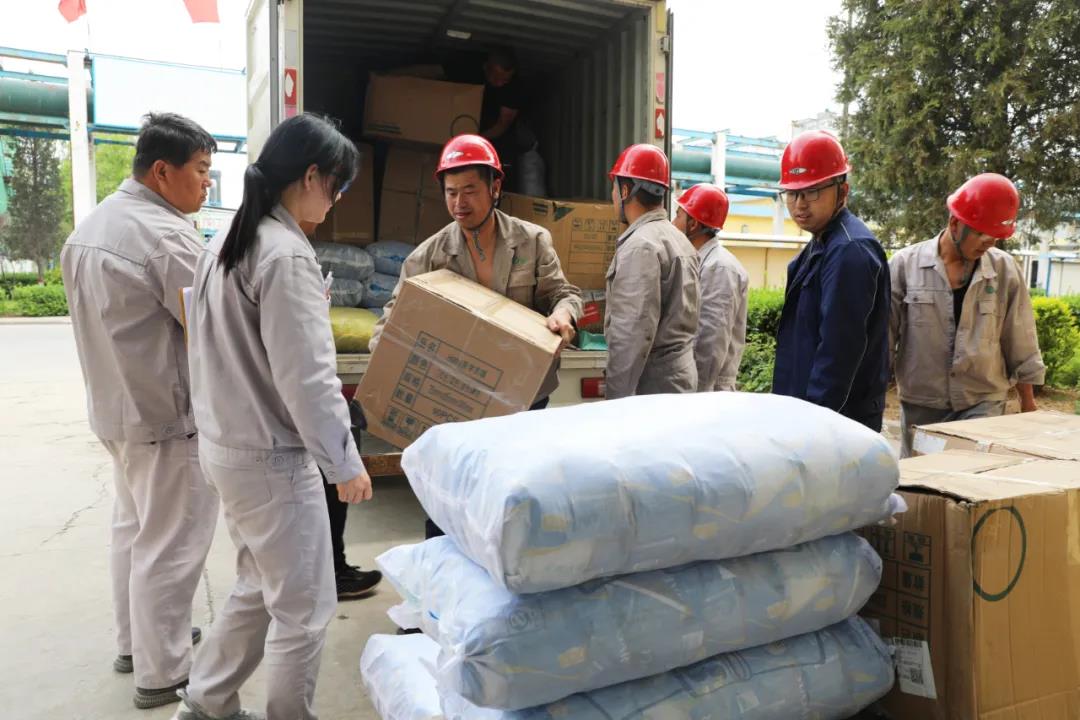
146	699
409	631
123	663
353	583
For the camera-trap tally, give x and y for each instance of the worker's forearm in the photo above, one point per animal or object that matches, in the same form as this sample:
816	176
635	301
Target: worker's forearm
1027	396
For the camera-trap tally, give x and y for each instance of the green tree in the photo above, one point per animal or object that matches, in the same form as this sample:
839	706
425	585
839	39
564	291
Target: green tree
36	205
112	164
945	89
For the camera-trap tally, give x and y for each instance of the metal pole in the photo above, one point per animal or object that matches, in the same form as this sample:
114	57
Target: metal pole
84	194
275	65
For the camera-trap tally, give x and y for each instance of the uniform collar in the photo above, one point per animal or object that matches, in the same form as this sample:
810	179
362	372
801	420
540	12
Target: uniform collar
651	216
930	257
131	186
455	243
285	217
708	247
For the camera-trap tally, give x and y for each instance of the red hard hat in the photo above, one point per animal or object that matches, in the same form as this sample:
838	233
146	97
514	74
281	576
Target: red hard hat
813	156
465	150
705	203
642	162
987	203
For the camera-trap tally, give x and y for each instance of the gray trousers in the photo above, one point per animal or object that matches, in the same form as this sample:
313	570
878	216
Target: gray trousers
912	415
163	522
284	598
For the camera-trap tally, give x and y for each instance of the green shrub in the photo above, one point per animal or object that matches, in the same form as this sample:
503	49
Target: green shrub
41	300
1036	292
10	281
9	308
1073	301
763	311
1059	338
756	370
54	277
1069	376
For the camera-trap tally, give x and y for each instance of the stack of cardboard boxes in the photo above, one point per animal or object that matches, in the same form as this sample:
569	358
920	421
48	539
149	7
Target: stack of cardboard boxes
417	116
981	582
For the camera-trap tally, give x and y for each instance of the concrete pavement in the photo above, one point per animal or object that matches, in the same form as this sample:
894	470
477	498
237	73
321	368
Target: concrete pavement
55	601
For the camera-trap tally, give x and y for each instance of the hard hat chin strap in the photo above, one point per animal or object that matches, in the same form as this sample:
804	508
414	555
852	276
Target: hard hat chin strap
969	265
475	231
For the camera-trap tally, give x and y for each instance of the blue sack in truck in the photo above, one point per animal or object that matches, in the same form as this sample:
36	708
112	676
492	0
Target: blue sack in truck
830	674
547	500
389	256
345	292
378	290
516	651
346	262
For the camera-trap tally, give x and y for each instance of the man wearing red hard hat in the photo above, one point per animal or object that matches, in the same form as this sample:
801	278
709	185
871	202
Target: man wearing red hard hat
510	256
832	344
651	316
725	285
961	330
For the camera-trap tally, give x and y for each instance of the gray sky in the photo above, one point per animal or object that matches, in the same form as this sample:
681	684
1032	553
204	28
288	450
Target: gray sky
751	66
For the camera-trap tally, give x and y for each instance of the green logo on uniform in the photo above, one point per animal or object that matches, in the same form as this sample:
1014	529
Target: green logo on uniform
990	289
519	261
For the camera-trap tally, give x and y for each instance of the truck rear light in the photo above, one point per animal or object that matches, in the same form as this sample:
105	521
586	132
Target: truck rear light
593	388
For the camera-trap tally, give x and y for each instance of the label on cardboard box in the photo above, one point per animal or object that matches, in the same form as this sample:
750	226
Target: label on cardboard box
927	444
913	668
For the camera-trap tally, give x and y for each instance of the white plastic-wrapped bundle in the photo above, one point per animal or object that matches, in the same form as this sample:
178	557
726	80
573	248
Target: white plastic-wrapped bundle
551	499
347	262
389	256
378	290
515	651
345	292
826	675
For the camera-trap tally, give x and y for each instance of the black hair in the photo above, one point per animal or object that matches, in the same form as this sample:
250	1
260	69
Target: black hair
649	200
169	137
504	57
294	146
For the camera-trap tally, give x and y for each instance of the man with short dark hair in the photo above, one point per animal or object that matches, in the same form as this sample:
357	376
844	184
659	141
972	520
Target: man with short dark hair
653	290
124	267
832	345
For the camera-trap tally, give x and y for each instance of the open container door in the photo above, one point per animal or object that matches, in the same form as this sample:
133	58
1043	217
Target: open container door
274	57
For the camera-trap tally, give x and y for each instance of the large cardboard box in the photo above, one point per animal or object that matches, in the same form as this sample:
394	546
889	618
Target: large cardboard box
453	350
352	219
411	208
421	110
981	588
1037	434
584	234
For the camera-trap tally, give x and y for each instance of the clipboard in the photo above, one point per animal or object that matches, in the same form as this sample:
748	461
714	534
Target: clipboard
186	303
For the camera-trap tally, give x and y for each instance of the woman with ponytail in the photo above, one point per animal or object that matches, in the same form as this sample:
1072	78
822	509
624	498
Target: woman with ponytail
270	413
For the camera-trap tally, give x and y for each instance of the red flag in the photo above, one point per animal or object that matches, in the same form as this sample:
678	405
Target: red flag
72	10
202	10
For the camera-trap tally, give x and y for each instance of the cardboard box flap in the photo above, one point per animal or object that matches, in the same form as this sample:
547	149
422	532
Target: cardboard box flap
967	461
979	477
501	311
1007	427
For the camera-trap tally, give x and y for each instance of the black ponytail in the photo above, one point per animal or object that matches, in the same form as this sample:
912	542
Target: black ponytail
294	146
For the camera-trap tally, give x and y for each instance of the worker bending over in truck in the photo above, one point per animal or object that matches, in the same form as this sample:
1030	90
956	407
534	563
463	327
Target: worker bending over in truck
653	292
510	256
961	329
124	268
725	285
832	345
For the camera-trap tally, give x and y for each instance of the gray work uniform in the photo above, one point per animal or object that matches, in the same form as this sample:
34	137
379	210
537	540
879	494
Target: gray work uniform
721	335
947	371
526	270
123	268
651	317
269	407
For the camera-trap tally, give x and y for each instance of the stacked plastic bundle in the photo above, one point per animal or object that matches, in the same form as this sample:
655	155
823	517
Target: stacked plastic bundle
652	540
351	268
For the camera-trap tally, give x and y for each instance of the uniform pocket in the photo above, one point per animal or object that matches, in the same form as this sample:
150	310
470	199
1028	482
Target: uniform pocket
921	308
242	490
521	286
987	329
